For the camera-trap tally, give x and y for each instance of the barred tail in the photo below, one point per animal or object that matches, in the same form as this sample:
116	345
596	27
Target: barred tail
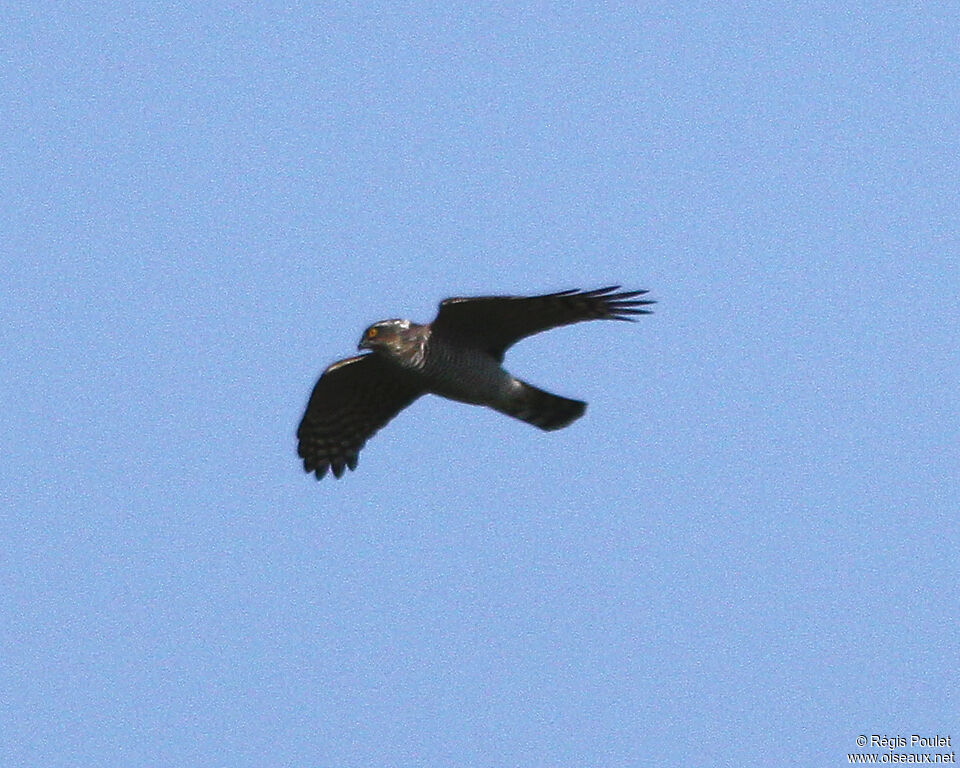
542	409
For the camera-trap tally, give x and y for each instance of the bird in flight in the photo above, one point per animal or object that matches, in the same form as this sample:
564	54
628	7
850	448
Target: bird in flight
458	356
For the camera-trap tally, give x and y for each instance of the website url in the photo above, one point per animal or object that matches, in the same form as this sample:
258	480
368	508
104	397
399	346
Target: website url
902	757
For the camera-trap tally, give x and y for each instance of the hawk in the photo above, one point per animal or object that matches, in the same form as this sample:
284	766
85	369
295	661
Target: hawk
458	356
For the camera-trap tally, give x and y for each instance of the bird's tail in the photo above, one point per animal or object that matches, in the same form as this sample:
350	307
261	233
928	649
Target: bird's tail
542	409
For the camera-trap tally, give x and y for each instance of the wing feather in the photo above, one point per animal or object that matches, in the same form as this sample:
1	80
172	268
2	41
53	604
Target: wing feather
498	322
352	400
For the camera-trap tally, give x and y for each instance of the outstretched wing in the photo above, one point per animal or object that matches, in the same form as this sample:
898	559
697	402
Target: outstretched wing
497	322
352	400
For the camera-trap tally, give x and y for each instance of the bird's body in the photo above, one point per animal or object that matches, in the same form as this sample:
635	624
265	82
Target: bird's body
458	356
463	373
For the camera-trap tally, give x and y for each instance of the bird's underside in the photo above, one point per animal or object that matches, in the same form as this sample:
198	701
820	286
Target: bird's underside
459	356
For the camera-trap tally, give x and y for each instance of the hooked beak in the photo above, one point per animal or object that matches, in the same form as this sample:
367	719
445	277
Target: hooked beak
362	345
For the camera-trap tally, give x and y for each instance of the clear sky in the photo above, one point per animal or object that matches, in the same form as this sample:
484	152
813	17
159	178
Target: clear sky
744	554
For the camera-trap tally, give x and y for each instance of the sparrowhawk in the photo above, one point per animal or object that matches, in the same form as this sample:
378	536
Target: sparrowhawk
458	356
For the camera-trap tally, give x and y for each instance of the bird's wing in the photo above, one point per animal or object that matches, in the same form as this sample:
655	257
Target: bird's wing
497	322
352	400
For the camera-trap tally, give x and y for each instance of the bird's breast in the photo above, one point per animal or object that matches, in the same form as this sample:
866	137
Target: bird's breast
465	374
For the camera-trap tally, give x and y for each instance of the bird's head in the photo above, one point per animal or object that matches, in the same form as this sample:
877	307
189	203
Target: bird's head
384	335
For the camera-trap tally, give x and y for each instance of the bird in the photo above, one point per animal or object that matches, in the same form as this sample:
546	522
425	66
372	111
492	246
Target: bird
458	356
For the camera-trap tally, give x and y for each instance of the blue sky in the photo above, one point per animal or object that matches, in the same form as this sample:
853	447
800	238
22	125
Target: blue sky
744	554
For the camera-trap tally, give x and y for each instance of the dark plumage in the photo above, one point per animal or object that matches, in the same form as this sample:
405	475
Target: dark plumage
457	356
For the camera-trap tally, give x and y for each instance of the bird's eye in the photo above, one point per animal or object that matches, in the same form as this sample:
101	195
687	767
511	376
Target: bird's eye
371	333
